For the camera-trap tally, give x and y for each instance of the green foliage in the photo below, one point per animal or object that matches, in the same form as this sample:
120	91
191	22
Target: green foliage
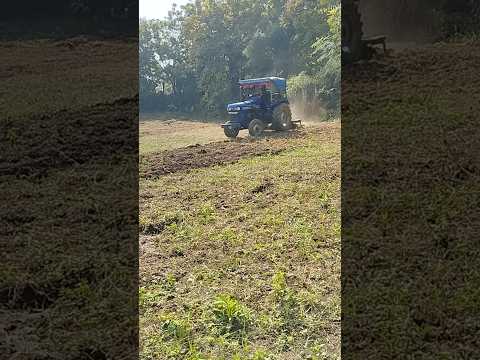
173	328
326	49
192	60
286	302
321	82
206	213
147	298
230	317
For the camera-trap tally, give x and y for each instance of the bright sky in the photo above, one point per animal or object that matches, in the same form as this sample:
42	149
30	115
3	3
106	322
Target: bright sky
157	9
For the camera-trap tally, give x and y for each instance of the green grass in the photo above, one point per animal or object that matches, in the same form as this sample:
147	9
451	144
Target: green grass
256	274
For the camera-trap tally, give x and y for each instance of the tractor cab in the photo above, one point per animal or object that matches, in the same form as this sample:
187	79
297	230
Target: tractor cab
263	100
263	92
268	90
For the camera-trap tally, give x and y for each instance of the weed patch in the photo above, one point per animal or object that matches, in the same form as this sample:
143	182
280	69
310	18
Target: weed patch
285	304
229	316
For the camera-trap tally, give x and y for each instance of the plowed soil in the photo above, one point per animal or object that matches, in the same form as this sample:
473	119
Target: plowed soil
442	71
68	136
215	153
410	204
45	76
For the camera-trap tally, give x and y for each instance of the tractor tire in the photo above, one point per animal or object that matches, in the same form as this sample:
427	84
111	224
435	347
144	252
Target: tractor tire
282	118
256	127
352	32
231	132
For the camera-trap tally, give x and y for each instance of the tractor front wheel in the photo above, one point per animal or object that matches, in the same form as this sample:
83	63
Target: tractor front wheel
231	132
256	127
282	118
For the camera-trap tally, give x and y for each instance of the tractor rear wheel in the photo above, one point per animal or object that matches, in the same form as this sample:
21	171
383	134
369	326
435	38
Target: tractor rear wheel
231	132
256	127
282	118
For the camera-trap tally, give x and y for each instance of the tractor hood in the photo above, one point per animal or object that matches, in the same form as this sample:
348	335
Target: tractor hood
251	103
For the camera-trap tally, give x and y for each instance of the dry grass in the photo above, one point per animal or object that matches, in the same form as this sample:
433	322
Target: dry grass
170	134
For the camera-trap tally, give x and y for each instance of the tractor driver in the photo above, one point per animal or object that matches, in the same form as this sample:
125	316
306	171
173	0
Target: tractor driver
265	97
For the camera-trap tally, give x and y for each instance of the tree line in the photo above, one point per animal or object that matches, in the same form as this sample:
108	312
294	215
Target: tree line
191	61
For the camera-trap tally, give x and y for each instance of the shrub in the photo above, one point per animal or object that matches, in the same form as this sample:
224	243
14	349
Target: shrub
230	317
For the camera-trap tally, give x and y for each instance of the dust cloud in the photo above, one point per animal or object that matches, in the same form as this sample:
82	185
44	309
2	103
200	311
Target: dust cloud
309	113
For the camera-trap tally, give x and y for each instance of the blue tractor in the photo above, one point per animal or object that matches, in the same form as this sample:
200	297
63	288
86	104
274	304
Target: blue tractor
264	104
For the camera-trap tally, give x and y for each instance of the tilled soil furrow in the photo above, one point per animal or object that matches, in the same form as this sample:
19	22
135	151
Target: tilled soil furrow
195	157
216	153
47	135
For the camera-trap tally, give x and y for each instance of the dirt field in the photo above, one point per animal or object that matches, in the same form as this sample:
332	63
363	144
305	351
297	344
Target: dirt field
53	75
173	133
239	245
65	145
187	139
409	130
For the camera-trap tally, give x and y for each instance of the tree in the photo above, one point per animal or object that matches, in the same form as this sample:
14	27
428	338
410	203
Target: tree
195	57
